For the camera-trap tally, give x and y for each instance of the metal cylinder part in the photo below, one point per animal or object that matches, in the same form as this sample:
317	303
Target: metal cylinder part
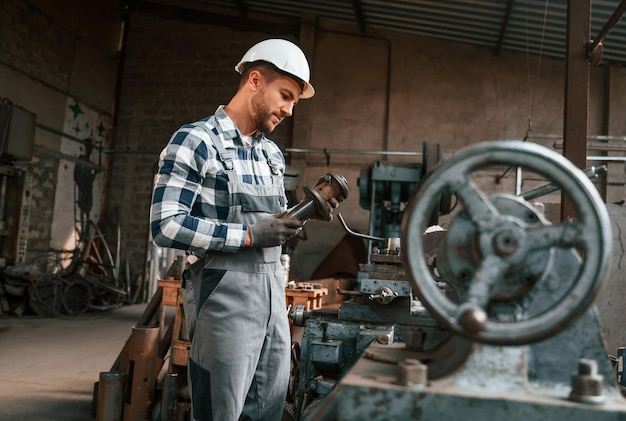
315	202
182	410
3	193
587	384
143	355
415	339
110	396
297	315
621	356
412	372
168	396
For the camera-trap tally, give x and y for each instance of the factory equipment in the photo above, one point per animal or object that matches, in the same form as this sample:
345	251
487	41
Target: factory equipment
489	319
385	188
381	307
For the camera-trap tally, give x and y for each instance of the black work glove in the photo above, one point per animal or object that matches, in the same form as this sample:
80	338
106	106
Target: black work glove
273	231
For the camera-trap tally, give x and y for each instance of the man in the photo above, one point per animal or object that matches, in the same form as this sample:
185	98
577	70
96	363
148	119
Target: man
219	195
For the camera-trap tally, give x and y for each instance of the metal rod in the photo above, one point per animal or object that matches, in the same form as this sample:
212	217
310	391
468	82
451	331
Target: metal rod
606	158
96	146
357	234
326	151
591	172
3	193
559	137
597	147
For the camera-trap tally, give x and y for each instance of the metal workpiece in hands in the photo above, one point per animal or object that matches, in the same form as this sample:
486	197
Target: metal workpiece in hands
320	201
274	231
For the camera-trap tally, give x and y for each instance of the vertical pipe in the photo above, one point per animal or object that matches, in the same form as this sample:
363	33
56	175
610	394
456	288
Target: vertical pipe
621	354
182	409
606	112
143	350
168	396
3	193
154	269
110	396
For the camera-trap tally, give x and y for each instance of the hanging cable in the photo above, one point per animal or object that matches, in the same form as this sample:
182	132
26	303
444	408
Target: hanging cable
532	88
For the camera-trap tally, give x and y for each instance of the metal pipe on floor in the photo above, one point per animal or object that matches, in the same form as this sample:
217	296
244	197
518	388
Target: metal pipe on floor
182	411
110	396
168	396
143	372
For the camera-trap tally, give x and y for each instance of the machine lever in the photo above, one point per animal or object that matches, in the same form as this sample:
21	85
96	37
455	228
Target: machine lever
348	292
357	234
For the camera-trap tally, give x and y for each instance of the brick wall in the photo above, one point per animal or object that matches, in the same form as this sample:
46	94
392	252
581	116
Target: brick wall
38	51
44	63
35	44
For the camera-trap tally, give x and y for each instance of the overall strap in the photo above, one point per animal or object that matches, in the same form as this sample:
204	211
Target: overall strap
224	156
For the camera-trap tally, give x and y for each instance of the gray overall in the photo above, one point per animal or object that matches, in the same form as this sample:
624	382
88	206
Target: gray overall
236	312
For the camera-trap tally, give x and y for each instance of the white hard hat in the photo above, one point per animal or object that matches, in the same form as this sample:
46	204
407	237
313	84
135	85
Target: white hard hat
283	54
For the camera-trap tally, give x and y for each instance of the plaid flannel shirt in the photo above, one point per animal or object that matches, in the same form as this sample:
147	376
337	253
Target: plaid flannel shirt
190	201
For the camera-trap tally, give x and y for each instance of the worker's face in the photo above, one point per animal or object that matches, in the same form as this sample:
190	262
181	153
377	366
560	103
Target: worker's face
273	102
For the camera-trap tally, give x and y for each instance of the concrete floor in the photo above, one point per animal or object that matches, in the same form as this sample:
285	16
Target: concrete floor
48	367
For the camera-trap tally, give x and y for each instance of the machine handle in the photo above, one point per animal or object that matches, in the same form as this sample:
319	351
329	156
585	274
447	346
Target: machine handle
357	234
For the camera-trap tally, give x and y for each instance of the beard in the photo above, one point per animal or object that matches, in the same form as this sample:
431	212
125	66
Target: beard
261	113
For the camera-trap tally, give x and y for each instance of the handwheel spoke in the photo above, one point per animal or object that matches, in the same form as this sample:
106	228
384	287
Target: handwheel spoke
569	234
484	284
475	202
472	315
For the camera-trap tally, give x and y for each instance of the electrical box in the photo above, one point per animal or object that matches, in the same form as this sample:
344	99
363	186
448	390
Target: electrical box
17	133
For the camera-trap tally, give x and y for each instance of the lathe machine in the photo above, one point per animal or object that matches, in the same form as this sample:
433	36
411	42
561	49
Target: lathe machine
481	310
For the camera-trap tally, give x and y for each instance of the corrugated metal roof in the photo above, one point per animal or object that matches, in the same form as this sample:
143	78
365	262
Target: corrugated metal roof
532	26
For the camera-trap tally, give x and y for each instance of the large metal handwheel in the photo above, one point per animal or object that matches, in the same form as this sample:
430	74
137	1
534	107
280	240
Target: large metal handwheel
501	256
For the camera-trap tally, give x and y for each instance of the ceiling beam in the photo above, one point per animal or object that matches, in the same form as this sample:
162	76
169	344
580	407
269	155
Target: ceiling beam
237	23
617	15
358	14
576	110
503	26
241	6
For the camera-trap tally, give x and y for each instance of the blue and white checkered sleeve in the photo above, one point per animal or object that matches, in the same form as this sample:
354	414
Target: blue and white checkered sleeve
182	166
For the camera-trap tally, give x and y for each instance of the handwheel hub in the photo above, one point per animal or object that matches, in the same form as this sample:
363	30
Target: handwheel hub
465	248
505	243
